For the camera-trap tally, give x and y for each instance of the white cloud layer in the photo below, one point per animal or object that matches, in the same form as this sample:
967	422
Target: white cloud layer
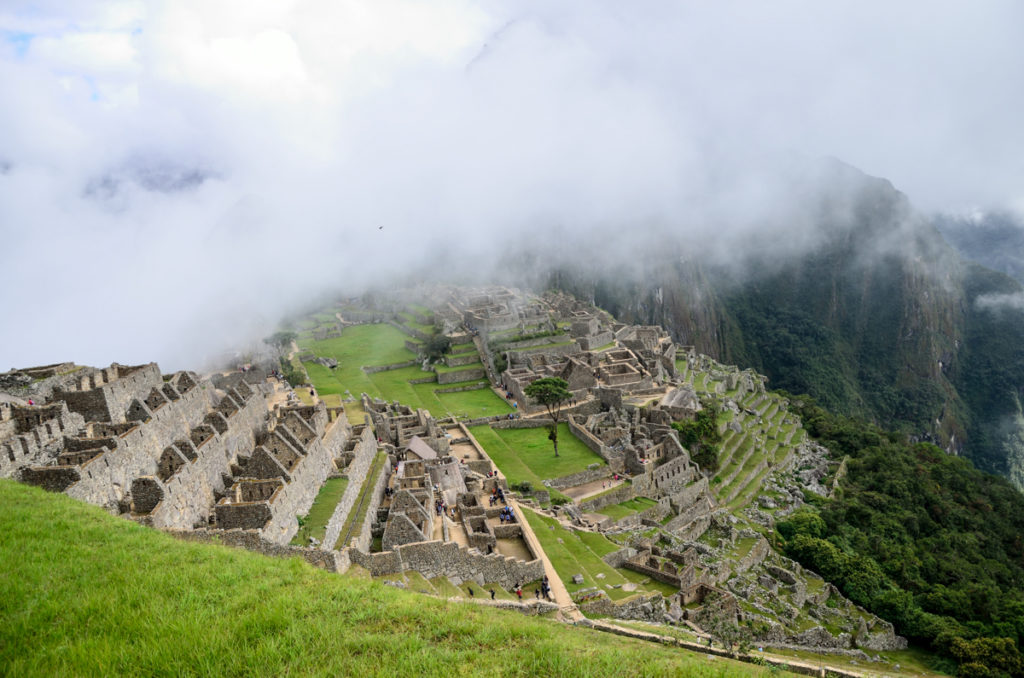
174	174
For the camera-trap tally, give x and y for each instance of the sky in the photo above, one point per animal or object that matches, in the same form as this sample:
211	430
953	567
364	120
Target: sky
175	176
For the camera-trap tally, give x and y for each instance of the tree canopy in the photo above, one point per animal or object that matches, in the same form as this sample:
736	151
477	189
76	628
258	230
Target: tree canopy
550	392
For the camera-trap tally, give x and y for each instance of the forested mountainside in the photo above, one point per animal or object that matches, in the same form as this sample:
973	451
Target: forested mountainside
919	537
880	319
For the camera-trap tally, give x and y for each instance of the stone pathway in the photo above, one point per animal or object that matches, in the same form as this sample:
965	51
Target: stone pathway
569	611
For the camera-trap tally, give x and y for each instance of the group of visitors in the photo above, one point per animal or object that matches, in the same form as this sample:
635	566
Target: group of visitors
497	495
507	515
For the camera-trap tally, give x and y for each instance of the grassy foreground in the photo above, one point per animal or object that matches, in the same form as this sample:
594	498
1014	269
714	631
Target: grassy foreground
86	593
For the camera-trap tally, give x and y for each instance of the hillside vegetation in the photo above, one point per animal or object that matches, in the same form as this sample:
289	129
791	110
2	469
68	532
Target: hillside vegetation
85	593
920	538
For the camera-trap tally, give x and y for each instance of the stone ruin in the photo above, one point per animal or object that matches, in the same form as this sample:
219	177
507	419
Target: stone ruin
172	451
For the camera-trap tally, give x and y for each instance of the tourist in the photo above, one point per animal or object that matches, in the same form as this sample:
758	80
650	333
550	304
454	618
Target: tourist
470	591
519	592
492	594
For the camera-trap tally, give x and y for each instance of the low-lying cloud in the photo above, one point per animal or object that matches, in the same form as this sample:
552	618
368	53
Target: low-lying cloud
175	176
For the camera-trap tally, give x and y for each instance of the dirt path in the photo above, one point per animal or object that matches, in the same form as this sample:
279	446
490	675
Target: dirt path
590	489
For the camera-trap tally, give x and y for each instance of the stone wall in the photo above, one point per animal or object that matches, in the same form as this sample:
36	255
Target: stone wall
332	561
459	389
616	496
468	374
614	459
758	552
448	559
650	607
190	492
365	537
459	360
581	478
365	451
109	401
393	366
619	558
38	445
685	498
594	341
308	475
517	357
535	422
107	479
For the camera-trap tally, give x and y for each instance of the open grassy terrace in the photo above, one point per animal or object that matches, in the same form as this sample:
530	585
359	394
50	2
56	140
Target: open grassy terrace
527	454
315	524
579	552
627	508
83	593
382	344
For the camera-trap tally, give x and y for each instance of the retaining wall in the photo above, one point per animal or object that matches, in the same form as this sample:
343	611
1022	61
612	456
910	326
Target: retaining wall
365	451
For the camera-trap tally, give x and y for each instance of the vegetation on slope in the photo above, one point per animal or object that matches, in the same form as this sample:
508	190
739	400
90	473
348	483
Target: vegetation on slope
85	593
990	375
920	538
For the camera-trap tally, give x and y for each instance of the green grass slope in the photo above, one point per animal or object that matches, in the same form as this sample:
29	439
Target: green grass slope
83	593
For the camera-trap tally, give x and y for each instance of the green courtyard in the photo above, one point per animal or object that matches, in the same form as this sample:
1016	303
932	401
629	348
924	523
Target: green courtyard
382	344
526	453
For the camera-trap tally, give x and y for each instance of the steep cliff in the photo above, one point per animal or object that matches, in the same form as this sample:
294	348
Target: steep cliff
878	318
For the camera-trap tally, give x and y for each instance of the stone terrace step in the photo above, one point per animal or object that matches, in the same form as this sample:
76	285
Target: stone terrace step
744	443
782	456
740	477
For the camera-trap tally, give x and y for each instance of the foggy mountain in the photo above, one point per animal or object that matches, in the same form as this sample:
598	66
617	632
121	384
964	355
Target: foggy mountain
881	319
177	177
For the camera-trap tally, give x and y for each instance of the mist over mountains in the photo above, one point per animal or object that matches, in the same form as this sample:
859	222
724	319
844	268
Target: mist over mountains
177	177
879	318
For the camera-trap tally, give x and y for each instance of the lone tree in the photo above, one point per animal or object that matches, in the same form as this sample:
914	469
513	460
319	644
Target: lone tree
550	392
282	340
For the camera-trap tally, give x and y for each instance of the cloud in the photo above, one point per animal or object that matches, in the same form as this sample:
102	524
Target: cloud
998	302
179	174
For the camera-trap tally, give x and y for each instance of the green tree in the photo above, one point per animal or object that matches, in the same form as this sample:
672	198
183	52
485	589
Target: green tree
282	339
437	346
701	437
550	392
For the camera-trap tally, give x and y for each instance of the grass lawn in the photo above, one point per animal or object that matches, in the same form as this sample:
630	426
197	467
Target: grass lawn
382	344
627	508
320	512
532	447
98	596
573	552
